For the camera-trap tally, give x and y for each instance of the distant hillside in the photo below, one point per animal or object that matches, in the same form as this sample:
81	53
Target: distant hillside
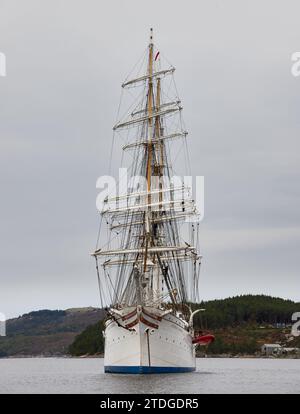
246	309
46	332
241	325
89	342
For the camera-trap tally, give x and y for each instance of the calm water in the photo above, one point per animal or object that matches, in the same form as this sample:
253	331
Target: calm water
64	375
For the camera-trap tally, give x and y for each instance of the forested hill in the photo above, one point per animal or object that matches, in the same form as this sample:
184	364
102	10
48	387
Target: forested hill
241	324
46	332
259	309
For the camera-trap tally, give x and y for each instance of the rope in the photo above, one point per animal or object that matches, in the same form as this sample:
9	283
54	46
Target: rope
99	283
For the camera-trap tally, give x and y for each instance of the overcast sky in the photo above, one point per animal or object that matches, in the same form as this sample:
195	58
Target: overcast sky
66	61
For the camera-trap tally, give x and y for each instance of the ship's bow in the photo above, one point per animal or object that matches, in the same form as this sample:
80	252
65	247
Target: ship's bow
146	340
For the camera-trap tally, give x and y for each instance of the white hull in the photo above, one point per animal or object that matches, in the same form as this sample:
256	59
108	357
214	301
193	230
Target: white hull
152	341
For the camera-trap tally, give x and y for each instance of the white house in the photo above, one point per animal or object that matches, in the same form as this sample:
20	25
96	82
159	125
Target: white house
271	349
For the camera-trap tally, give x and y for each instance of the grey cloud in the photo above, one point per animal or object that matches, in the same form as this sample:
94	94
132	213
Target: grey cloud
65	63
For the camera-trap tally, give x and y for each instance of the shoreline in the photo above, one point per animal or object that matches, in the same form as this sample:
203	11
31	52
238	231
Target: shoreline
220	356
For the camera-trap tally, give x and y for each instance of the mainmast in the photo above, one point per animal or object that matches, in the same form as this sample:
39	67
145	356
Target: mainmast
160	157
150	110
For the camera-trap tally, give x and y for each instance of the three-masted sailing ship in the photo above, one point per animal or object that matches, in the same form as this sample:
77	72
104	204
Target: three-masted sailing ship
150	271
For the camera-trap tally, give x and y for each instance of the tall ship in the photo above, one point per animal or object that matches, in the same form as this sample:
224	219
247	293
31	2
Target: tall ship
147	254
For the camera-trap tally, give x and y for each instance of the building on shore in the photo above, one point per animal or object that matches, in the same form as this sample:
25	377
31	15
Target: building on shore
271	349
276	349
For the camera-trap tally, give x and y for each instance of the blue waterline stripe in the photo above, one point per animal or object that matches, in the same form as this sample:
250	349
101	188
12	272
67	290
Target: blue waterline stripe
146	370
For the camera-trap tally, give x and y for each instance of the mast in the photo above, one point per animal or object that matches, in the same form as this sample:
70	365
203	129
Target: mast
146	253
149	151
150	108
161	144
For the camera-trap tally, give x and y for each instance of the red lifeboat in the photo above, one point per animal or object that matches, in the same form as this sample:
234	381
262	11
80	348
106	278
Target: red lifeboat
203	340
